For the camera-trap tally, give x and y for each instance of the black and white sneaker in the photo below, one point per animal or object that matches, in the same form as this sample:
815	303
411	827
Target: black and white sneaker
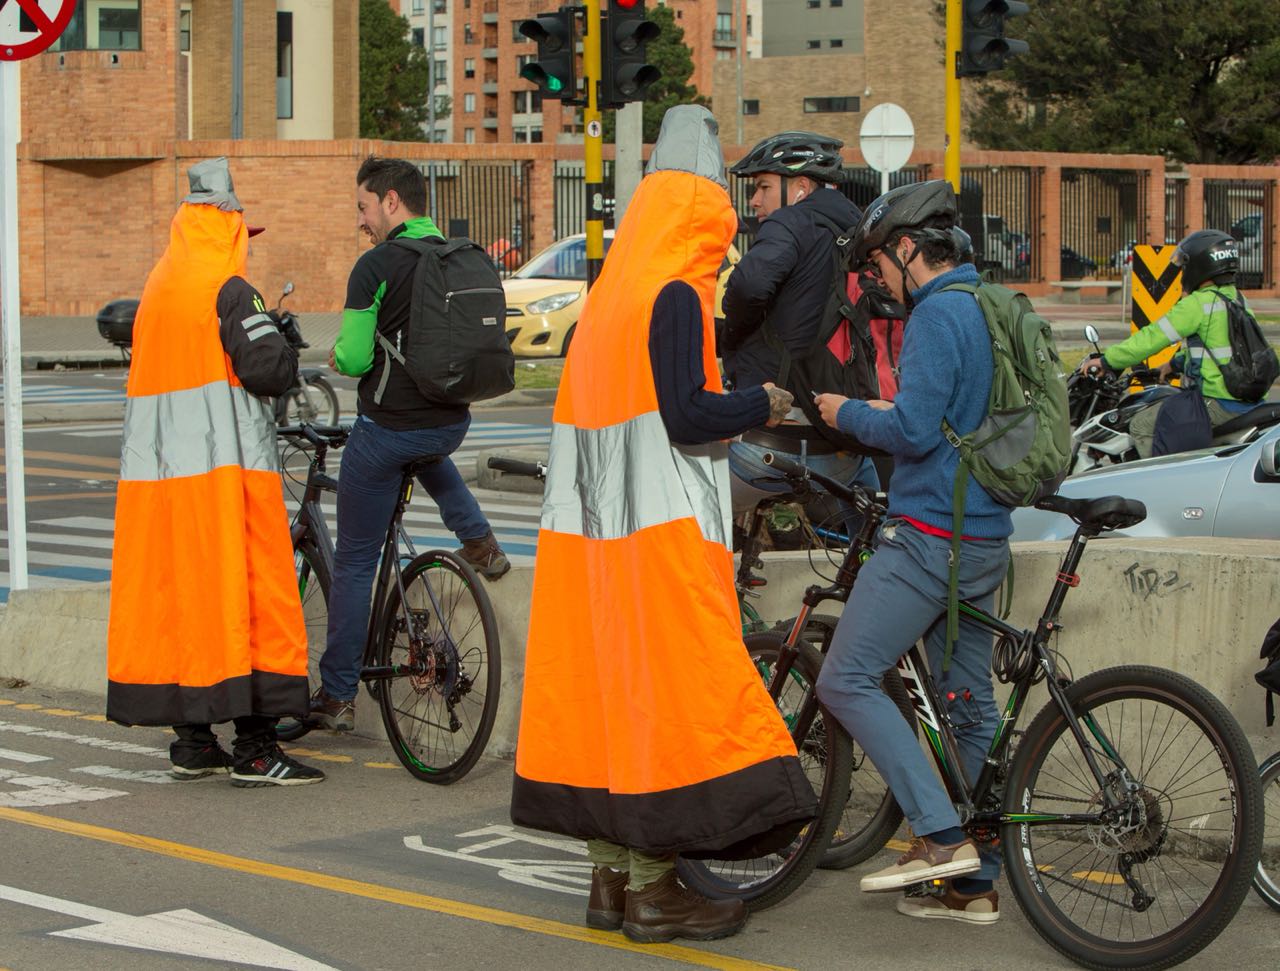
274	769
210	760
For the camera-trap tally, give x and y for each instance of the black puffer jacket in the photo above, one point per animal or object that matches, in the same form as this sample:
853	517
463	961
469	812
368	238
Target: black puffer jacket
785	278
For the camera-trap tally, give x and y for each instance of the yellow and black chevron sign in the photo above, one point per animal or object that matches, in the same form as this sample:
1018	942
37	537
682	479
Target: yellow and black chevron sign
1157	285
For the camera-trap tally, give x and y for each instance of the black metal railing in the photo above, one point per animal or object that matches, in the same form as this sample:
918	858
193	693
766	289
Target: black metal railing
489	202
1103	210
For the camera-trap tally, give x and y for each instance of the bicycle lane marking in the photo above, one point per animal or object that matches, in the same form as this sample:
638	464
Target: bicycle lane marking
373	891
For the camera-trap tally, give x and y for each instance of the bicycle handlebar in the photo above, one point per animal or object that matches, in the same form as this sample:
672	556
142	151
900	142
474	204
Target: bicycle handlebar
855	495
330	436
535	470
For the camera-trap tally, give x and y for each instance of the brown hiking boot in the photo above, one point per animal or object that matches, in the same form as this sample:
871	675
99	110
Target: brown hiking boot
972	908
667	909
486	556
924	860
330	713
608	899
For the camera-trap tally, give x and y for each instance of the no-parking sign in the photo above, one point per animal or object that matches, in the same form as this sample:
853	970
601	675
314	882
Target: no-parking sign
29	27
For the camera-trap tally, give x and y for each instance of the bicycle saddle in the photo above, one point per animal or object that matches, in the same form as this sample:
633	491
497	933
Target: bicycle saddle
420	465
1105	512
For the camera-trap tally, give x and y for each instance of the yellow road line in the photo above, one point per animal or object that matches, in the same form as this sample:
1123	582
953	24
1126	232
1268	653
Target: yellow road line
93	718
64	712
7	701
29	706
381	765
373	891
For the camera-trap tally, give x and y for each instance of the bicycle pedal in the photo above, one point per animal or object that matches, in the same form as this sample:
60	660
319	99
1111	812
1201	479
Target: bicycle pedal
755	581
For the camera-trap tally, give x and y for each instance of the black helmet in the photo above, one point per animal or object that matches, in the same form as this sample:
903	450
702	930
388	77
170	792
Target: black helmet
1205	254
794	153
964	244
900	210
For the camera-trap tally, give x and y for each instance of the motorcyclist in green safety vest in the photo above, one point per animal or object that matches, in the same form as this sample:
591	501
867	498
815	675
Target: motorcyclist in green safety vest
1209	259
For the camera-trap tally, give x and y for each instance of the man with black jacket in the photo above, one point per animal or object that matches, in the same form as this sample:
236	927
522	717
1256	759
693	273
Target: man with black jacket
397	424
776	297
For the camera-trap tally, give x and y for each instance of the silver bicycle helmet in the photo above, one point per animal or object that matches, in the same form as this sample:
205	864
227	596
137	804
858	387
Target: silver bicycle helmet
794	153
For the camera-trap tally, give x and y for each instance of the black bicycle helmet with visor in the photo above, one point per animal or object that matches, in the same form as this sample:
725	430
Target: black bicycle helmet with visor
1206	255
903	212
791	154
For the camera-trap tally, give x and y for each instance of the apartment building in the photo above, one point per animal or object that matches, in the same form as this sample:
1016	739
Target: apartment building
430	27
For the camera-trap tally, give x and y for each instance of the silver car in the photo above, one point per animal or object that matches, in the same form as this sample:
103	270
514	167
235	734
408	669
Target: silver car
1227	490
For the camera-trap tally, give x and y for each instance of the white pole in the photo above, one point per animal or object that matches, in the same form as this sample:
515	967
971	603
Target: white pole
10	305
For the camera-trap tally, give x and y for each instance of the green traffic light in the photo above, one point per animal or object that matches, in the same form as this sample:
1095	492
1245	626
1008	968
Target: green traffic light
554	84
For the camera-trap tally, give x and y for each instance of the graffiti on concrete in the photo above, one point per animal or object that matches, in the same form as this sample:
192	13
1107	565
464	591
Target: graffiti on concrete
1147	582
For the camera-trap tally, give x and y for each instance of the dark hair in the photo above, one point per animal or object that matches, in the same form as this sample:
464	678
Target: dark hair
380	175
934	240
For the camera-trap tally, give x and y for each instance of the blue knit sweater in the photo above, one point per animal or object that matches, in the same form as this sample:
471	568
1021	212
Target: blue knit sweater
946	371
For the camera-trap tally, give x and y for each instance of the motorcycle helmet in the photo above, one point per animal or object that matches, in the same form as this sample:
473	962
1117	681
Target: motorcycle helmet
1205	255
902	212
793	153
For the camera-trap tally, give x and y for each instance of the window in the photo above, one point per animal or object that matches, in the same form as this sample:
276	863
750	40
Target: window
751	31
518	37
417	6
521	135
469	67
835	3
750	106
467	36
835	42
468	102
284	65
184	30
813	44
103	25
724	22
469	136
526	101
814	4
439	37
419	37
824	105
442	72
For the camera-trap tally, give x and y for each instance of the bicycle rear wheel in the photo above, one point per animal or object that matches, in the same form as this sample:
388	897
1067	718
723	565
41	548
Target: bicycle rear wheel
1155	881
1267	880
439	711
827	760
313	589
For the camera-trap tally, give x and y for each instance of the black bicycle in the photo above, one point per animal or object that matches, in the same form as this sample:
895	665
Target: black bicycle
1267	880
1129	812
431	653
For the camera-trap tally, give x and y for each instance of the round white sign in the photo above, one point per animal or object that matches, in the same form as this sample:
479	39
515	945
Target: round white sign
887	137
593	129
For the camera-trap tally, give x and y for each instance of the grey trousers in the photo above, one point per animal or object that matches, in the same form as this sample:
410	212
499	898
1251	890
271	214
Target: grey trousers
1142	429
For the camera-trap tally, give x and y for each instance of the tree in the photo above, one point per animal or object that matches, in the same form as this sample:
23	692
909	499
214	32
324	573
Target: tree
1192	82
668	54
393	77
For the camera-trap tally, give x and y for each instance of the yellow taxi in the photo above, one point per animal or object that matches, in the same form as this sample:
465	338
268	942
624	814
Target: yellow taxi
545	296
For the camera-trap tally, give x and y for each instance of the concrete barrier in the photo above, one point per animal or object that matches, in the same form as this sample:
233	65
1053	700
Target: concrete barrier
1199	606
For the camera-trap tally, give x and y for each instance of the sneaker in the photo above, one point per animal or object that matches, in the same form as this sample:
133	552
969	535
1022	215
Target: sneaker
666	909
924	860
950	904
274	769
330	713
486	556
210	760
608	902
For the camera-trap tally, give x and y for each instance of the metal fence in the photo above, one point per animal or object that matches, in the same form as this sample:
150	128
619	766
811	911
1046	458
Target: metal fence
1103	210
486	201
1244	208
1000	210
1175	209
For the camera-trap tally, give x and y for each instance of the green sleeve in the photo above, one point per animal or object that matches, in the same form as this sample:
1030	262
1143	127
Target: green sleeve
1182	321
353	353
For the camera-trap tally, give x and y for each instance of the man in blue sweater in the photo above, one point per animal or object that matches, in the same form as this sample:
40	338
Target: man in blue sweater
901	593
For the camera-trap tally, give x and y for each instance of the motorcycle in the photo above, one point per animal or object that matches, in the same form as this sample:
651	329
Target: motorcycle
312	398
1102	403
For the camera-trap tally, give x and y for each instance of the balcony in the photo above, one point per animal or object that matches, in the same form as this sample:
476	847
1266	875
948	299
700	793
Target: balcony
491	124
489	53
724	38
491	11
489	87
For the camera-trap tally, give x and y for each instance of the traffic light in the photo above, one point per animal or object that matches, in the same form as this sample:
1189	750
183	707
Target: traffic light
554	70
983	45
625	74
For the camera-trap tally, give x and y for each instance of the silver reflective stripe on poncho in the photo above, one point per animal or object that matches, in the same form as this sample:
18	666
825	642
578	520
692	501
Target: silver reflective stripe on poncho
196	430
608	483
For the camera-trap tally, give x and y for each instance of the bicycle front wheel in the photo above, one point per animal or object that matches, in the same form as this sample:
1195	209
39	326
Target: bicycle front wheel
1154	879
826	757
439	707
313	589
1267	880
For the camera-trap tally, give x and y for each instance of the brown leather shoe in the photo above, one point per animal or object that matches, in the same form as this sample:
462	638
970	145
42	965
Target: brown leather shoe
950	903
924	860
667	909
486	556
608	900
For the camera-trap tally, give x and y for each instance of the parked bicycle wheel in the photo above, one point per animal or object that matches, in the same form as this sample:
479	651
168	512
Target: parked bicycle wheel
827	759
871	815
1155	882
313	588
440	711
1267	880
314	402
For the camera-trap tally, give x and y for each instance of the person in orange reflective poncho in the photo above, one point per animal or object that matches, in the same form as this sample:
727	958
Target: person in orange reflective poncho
206	625
645	729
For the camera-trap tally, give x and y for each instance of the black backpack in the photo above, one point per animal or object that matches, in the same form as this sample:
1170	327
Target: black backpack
1269	677
1253	367
455	345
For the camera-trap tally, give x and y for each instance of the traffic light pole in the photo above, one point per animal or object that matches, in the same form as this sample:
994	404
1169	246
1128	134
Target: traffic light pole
593	138
951	159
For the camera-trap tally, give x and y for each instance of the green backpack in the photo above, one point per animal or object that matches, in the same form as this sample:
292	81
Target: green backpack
1021	451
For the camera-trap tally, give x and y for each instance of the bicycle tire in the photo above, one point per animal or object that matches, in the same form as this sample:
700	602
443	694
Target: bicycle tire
313	589
827	756
1159	841
424	714
871	815
327	410
1266	881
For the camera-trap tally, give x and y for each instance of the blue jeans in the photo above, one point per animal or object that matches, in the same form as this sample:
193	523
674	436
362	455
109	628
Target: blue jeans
901	596
368	488
752	480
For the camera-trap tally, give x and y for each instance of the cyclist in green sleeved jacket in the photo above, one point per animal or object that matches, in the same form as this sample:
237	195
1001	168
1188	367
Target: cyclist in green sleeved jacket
1209	259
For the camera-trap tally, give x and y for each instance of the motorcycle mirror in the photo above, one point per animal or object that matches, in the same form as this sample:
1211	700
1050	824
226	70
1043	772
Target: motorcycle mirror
1091	333
1270	460
288	288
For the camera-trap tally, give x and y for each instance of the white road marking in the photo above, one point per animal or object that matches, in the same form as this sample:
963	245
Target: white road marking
89	740
39	790
127	775
12	756
564	876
